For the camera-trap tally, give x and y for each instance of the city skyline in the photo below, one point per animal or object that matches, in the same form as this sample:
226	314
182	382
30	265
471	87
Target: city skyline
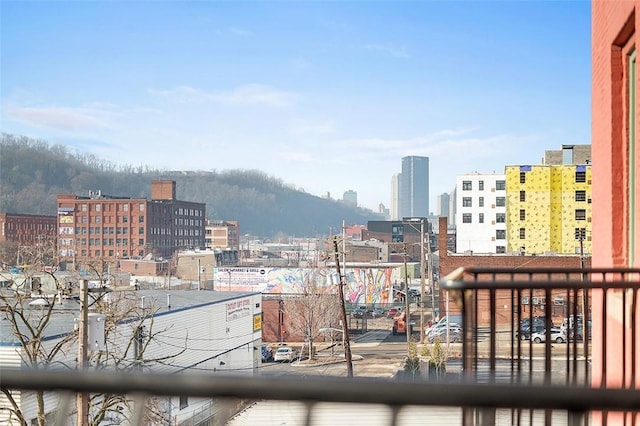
328	97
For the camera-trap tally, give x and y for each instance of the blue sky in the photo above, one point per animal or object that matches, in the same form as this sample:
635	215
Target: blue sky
327	96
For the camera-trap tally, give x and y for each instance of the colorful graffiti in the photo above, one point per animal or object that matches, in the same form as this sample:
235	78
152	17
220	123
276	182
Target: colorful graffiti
366	285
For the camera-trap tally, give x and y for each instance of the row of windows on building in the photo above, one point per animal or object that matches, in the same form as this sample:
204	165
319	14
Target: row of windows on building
580	214
122	230
30	226
98	241
467	185
499	218
109	207
501	234
125	207
579	196
109	219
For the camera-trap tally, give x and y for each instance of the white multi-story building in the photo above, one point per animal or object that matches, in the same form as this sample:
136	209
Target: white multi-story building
481	213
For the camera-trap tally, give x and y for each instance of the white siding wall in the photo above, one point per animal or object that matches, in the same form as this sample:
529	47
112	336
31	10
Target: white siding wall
212	342
475	236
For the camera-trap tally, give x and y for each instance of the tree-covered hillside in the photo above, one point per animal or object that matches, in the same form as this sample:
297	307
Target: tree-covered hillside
32	173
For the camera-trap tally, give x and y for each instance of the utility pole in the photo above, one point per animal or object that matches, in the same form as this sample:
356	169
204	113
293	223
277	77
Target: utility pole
83	397
345	327
407	315
585	300
422	274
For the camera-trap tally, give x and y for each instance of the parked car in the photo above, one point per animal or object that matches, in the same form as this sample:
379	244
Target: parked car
377	312
359	312
267	353
440	333
393	312
526	330
284	354
557	335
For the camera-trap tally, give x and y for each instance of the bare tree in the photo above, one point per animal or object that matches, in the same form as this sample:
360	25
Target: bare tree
31	303
315	308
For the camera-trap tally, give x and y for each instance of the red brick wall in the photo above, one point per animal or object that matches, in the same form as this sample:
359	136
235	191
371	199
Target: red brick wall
613	34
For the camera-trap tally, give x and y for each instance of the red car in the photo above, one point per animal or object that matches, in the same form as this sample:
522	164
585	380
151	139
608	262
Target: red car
393	312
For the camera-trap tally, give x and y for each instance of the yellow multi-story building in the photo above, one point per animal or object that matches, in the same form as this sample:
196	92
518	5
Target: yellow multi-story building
549	208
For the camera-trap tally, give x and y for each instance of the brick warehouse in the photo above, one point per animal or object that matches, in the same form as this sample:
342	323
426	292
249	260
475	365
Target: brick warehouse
449	263
108	228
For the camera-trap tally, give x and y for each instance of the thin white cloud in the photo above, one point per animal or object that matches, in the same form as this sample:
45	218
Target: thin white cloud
397	52
323	128
249	94
296	157
60	118
233	31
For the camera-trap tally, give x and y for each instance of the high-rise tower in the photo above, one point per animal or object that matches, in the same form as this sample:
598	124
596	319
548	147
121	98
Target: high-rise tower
414	187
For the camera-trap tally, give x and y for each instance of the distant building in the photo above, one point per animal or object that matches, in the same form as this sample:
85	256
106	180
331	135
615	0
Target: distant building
414	187
481	214
394	213
27	229
549	208
109	228
453	208
222	234
350	198
442	204
383	211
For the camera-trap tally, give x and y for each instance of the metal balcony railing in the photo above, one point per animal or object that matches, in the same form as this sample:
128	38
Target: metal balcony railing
505	380
503	308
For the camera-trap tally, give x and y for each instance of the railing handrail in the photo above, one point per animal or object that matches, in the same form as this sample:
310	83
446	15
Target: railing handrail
329	389
541	278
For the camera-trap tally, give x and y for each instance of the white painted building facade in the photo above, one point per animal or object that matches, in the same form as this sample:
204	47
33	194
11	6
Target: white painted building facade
202	332
481	213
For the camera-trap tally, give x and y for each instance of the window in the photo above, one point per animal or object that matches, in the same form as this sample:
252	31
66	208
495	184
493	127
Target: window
481	201
84	207
481	185
501	249
581	195
501	234
98	207
125	207
523	196
581	176
522	233
184	402
466	218
140	219
141	207
500	185
481	218
500	217
466	202
581	214
523	214
83	219
140	230
500	201
523	177
97	219
466	185
580	233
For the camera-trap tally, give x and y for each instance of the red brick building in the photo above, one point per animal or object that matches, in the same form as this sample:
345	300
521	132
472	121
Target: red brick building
108	228
27	229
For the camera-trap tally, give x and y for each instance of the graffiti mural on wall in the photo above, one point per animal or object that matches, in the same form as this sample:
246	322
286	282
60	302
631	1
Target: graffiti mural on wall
363	285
